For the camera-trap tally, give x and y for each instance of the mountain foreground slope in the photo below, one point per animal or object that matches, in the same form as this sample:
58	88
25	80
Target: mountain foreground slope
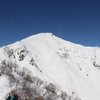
73	68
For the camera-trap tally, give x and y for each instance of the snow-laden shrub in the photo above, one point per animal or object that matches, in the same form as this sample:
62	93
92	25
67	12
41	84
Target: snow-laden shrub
30	87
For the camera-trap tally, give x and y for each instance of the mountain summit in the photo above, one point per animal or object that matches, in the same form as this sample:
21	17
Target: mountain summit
71	67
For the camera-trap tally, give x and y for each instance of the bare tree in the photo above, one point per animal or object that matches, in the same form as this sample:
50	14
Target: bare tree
51	87
64	95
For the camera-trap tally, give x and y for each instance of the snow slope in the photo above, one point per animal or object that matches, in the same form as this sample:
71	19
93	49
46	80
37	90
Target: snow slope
73	67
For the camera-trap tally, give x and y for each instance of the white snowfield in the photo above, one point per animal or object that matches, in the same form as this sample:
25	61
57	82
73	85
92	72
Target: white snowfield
73	67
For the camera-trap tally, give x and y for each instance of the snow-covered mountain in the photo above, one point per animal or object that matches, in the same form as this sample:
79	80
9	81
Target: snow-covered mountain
72	67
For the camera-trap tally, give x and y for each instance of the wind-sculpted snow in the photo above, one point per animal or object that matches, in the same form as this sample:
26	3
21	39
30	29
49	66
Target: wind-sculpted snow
72	67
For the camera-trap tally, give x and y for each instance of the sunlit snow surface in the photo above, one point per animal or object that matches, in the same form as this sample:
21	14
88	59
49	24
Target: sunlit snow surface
69	65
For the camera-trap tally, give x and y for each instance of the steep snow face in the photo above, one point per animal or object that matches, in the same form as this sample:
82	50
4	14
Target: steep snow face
73	67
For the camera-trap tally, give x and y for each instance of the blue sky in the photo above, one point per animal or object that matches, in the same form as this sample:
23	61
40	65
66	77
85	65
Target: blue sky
77	21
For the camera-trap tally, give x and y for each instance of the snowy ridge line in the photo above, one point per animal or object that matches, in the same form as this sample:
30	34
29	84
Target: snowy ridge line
72	67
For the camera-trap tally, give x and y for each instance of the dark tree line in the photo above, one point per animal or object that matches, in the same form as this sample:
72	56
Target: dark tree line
30	87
